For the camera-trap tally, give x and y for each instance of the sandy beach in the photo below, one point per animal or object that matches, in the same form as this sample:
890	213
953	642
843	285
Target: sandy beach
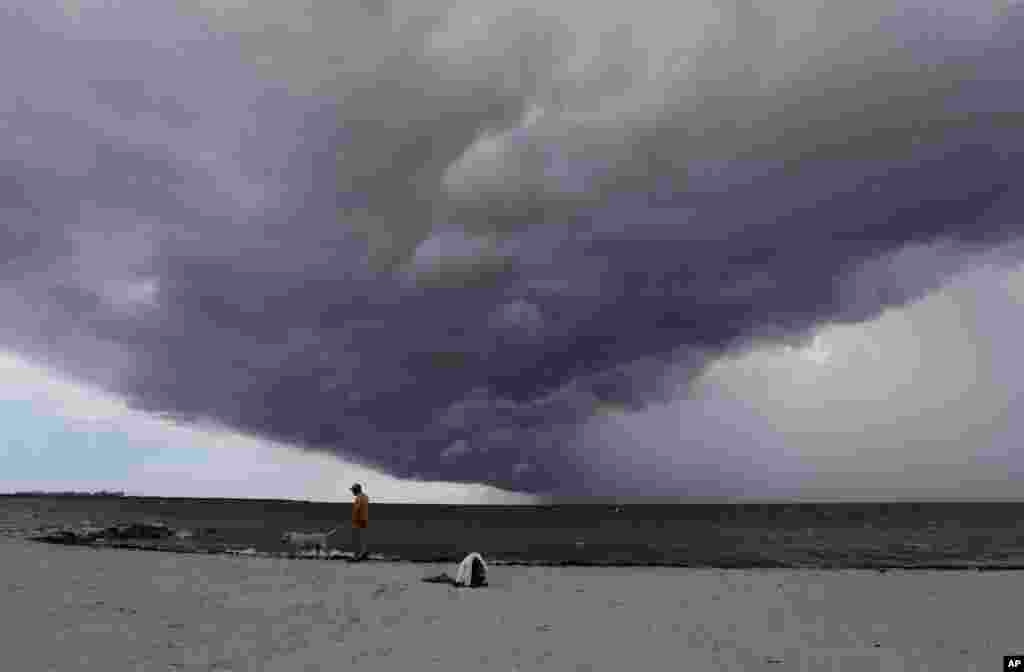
73	608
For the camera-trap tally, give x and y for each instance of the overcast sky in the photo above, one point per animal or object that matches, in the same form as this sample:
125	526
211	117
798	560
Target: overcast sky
492	251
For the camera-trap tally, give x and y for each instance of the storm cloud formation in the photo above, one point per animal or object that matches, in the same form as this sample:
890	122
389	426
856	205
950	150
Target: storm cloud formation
440	239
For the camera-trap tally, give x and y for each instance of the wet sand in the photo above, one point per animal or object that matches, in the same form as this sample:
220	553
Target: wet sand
76	608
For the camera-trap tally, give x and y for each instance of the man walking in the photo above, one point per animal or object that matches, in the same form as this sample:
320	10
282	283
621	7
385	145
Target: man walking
360	520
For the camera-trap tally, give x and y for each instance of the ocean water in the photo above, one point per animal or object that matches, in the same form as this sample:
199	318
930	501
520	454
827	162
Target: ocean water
826	535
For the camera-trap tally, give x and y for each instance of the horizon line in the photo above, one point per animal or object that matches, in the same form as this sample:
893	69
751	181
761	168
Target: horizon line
545	501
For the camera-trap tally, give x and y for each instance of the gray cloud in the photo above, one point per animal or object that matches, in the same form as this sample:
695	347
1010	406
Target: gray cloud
380	233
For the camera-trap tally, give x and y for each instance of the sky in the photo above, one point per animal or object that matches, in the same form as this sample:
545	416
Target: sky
512	252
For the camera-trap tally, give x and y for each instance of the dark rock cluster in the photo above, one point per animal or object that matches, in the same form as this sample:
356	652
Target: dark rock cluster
88	534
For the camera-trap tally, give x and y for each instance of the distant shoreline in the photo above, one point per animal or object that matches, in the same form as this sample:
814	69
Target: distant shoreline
544	503
32	493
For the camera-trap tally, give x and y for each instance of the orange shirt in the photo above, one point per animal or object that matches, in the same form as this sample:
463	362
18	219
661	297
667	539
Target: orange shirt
361	511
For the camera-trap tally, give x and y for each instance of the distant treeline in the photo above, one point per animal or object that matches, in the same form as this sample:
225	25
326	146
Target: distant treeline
67	493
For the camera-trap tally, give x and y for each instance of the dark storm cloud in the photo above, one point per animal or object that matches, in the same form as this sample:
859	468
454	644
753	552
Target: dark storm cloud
436	240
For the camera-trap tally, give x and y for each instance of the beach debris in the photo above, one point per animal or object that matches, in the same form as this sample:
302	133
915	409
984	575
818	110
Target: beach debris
141	530
89	534
57	537
245	551
439	578
70	536
472	573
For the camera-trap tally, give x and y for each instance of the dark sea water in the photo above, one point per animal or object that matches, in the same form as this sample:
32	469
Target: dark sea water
910	535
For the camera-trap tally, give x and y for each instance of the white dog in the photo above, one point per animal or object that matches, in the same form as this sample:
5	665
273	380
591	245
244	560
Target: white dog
306	540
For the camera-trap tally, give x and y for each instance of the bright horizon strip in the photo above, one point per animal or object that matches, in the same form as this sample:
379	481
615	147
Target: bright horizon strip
62	436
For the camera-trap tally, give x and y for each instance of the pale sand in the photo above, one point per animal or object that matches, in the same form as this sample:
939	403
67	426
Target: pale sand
68	608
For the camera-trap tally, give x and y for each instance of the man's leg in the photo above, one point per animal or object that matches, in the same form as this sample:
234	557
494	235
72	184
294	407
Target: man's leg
357	542
362	543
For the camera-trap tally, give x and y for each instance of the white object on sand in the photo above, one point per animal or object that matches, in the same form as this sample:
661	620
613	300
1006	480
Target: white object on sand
464	576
